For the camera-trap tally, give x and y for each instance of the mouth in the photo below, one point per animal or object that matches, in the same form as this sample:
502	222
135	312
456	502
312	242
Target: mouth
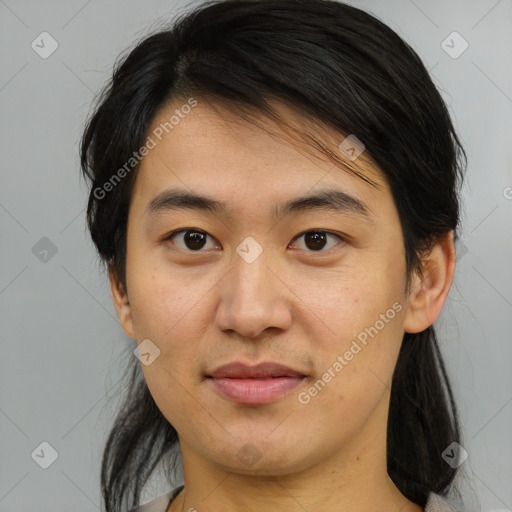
255	385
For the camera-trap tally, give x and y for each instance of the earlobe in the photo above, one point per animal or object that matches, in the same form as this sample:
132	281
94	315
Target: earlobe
431	286
121	303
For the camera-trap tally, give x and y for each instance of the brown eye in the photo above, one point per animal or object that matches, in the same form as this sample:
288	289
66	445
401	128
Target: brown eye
317	240
190	239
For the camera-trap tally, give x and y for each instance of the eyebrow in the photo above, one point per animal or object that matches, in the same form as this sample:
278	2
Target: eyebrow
332	199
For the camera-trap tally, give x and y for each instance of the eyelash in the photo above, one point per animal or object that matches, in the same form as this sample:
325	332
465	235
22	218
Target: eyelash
309	231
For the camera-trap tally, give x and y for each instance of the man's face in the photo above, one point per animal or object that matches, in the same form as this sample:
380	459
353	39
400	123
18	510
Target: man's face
324	297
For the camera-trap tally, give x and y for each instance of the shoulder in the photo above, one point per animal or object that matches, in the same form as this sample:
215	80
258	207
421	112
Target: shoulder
436	503
159	504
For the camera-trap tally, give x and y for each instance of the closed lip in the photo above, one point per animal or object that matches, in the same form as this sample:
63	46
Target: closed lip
238	370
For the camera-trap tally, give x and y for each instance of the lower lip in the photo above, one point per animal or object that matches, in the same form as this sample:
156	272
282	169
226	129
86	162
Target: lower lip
255	391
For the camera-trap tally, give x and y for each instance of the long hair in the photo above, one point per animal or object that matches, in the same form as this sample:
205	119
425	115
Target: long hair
345	70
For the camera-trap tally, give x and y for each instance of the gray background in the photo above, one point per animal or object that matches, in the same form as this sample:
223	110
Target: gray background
62	348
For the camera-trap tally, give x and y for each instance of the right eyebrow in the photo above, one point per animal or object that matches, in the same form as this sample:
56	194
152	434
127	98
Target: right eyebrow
176	199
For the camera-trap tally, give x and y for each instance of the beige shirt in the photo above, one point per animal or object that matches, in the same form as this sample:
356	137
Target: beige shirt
435	503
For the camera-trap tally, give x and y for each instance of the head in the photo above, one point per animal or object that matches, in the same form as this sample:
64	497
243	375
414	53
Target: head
328	173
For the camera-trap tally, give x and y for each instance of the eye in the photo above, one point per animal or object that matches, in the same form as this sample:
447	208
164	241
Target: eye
317	240
191	239
194	240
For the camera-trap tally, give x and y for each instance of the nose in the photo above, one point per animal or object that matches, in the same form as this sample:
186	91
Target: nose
253	299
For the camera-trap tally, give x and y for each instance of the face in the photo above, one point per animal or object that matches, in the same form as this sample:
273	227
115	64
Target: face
317	287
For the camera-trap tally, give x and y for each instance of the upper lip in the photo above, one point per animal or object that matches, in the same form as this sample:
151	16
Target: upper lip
242	371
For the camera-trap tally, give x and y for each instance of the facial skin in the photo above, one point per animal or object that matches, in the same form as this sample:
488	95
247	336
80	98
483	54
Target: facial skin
292	305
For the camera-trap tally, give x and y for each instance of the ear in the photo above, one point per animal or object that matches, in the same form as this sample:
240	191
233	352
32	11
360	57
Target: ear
121	303
431	285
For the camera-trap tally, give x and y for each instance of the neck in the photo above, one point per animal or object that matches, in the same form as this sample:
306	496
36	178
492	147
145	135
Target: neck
353	479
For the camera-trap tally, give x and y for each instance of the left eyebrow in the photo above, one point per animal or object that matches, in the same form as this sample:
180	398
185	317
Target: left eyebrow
334	200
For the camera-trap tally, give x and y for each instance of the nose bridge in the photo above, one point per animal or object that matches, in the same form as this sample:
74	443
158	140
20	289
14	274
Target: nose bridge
252	297
250	274
249	286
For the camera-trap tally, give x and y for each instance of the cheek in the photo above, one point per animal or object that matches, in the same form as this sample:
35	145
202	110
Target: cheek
353	379
174	312
346	300
355	323
166	305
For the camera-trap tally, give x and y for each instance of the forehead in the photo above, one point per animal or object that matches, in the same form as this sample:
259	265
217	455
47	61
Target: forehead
209	148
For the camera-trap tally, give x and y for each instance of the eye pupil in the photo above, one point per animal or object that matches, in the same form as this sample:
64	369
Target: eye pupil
194	239
315	240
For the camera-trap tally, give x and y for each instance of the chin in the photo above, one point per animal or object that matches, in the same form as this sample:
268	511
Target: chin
254	459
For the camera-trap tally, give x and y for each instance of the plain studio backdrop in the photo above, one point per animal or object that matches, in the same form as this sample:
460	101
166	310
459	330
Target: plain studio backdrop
63	351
